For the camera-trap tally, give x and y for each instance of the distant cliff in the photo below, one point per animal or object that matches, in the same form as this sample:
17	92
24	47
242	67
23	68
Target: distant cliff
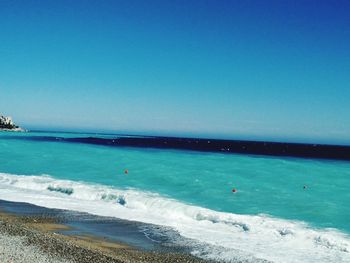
7	124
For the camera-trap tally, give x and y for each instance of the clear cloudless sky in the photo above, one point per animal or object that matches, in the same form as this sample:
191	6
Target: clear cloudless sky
277	70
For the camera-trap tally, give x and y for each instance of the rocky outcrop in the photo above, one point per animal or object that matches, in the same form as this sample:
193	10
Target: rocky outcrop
7	124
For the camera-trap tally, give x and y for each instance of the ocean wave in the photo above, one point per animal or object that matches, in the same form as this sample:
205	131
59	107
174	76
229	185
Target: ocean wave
215	235
59	189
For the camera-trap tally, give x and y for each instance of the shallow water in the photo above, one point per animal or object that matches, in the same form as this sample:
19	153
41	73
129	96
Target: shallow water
270	216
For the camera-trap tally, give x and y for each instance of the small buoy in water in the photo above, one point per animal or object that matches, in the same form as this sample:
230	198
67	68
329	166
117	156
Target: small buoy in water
305	187
126	171
234	190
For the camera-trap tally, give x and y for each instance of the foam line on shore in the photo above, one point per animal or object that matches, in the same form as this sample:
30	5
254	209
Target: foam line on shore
216	235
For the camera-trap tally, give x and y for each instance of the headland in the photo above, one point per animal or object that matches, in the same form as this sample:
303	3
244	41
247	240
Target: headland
7	124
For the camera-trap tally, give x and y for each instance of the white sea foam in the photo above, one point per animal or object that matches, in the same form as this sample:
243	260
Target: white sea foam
217	235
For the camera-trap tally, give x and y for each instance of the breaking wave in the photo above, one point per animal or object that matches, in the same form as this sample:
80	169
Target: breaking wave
216	235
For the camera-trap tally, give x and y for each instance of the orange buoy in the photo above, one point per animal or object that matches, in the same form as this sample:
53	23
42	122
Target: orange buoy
234	190
126	171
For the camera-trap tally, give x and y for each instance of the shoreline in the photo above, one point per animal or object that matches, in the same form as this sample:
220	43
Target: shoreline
45	238
13	130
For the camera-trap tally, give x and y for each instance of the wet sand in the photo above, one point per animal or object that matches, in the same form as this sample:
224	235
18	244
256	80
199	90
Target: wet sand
40	238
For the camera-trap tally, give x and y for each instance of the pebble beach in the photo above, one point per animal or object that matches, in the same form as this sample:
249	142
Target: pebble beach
36	239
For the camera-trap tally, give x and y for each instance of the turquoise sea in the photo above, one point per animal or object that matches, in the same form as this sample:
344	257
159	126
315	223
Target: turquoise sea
284	209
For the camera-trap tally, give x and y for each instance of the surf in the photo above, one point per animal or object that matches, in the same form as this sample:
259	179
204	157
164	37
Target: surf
216	235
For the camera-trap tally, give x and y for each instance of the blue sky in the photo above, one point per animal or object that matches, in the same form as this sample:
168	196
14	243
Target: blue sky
275	70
